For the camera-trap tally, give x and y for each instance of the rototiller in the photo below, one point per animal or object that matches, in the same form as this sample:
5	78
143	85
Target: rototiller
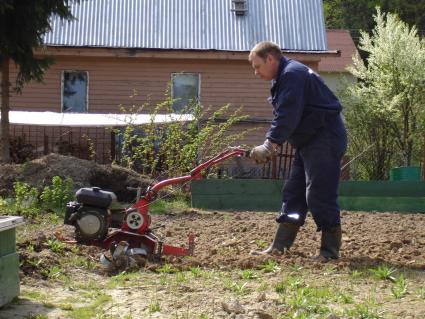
127	234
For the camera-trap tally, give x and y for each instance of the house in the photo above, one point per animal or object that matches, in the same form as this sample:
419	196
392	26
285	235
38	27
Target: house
200	46
334	68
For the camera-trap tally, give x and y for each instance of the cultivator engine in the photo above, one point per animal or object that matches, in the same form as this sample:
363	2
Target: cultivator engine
127	234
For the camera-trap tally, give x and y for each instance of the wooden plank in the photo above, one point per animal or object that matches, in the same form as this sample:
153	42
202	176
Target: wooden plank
383	204
382	188
265	195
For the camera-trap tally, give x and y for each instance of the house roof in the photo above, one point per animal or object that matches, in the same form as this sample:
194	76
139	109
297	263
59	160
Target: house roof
338	40
296	25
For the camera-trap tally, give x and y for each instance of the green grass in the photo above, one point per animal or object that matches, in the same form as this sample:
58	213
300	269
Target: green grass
94	309
154	306
270	266
162	206
249	274
383	272
167	269
399	287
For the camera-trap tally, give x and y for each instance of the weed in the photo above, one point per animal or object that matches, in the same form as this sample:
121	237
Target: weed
362	311
261	243
196	271
270	266
36	263
181	277
203	316
307	299
163	206
238	288
280	287
167	269
294	282
163	280
56	246
399	288
93	310
154	307
52	273
249	274
383	272
84	262
344	298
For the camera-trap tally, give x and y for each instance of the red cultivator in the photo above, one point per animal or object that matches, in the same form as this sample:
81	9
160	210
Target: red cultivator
127	234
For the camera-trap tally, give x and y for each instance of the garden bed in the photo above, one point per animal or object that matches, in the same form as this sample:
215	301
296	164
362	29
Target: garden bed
380	274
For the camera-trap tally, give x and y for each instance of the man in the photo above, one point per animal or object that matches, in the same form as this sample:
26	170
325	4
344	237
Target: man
307	115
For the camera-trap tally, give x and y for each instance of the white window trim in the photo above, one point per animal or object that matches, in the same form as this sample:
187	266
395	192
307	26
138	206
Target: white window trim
190	73
87	93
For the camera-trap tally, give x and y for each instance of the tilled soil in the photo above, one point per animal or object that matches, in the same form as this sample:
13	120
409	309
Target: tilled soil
224	241
223	244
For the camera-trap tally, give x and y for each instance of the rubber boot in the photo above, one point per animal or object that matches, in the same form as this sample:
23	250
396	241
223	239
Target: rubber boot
331	243
284	238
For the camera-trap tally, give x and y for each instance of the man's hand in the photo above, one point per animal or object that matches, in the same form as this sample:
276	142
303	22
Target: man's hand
263	153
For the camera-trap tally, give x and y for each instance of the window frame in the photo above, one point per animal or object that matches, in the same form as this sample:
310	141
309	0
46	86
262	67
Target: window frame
198	74
62	87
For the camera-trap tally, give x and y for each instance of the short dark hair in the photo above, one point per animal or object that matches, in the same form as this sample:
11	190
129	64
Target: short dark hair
264	48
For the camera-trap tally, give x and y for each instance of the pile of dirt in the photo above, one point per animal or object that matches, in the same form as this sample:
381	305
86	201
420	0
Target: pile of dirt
39	173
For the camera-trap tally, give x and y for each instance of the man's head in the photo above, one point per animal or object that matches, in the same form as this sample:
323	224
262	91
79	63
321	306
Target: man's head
265	59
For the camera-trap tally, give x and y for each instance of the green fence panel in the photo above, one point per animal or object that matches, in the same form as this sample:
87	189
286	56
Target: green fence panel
265	195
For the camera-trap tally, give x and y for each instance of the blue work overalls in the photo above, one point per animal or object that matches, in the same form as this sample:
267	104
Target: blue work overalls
307	115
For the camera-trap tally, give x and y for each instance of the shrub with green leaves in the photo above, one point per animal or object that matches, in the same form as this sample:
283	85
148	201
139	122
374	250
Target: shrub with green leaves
174	148
55	197
384	108
26	199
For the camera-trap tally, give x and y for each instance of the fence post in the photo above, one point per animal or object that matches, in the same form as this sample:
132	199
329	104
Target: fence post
46	144
423	160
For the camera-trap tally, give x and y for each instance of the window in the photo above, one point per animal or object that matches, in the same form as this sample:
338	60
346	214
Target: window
74	91
185	89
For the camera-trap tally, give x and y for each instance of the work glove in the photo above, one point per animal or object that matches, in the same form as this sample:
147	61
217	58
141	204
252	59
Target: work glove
263	153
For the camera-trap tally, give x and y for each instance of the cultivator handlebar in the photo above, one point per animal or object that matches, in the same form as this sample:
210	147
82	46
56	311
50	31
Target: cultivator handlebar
198	172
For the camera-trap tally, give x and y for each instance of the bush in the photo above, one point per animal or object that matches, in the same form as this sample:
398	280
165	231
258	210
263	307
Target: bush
174	148
26	200
55	197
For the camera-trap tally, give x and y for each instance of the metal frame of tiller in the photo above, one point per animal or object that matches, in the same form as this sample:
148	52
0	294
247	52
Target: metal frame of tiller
135	229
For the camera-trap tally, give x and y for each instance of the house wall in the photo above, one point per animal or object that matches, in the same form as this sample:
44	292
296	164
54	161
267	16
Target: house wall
336	80
112	80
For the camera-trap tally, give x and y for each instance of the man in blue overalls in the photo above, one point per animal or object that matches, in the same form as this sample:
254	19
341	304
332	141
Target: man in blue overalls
307	115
